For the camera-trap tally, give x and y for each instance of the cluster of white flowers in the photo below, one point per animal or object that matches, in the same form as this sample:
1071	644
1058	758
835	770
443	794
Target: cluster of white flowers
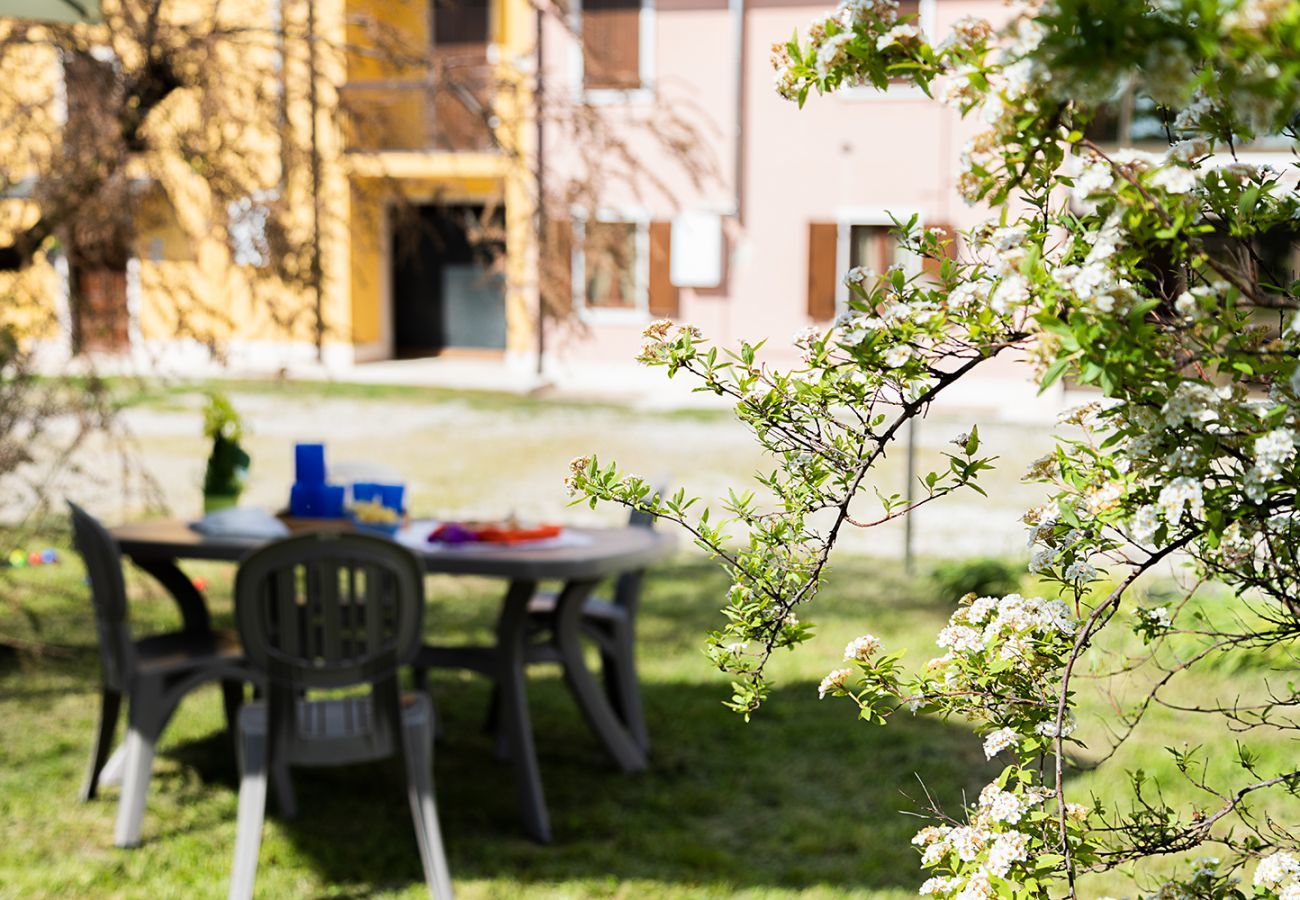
1013	625
1158	616
862	648
1181	493
832	682
1174	179
832	52
1273	451
853	12
1146	521
1049	729
999	740
1195	403
902	35
1280	873
986	844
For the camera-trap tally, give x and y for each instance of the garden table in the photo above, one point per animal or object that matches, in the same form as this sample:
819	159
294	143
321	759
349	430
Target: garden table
589	556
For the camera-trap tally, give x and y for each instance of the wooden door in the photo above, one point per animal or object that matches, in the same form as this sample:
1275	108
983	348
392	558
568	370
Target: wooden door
101	321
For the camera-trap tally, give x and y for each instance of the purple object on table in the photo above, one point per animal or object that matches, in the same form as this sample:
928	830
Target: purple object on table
453	533
309	463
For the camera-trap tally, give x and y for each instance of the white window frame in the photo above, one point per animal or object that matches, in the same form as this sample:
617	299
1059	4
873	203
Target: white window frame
640	309
925	20
876	217
646	61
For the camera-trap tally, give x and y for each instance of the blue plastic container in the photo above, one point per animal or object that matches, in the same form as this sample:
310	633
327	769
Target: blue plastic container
309	463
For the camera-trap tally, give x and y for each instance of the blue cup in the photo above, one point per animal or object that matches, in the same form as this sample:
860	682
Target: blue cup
309	463
332	501
366	492
306	500
392	495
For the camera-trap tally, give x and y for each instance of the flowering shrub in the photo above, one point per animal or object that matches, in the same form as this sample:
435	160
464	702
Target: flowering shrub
1141	274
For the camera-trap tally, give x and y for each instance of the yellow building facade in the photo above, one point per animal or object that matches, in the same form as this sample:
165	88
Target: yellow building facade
409	199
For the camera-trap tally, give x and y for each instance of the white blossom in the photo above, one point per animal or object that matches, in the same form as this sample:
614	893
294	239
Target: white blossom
1174	179
1276	869
862	648
899	34
1181	493
999	740
1272	451
833	681
1009	848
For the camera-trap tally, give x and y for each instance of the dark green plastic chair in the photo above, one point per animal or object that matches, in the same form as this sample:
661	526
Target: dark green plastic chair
329	612
152	674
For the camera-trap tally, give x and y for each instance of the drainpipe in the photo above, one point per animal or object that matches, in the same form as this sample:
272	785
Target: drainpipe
541	196
737	8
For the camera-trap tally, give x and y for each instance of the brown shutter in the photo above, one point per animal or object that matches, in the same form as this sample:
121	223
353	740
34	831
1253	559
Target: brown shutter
611	43
557	268
823	240
663	293
931	267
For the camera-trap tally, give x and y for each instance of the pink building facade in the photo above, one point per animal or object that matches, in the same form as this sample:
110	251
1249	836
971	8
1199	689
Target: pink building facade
797	196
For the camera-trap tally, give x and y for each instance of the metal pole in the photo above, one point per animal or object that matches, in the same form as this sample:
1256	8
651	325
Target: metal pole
908	494
538	106
317	269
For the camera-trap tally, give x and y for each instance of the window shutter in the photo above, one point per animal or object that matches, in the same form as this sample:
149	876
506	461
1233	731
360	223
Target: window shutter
663	293
931	267
611	43
823	239
557	268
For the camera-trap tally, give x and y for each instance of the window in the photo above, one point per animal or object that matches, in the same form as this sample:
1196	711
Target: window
611	274
1133	118
616	52
622	266
872	247
835	248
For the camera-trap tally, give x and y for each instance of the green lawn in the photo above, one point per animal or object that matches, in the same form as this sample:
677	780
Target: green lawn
803	801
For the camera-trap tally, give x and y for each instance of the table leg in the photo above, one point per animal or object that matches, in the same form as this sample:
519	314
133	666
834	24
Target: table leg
591	699
194	610
511	640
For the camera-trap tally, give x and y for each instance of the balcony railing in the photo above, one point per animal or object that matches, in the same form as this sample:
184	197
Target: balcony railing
451	112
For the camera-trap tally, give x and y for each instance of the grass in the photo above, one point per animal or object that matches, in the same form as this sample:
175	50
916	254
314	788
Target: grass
801	802
180	394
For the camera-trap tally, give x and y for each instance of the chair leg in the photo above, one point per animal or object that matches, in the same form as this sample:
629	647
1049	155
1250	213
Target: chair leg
252	803
232	698
135	786
284	798
621	682
417	735
110	704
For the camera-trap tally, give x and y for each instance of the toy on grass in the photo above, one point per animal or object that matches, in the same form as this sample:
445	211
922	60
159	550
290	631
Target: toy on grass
21	559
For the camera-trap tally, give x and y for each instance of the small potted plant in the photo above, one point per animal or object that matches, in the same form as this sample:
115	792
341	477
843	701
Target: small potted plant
227	470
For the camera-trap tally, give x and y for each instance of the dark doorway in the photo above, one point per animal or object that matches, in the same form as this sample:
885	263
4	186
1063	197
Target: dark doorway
447	292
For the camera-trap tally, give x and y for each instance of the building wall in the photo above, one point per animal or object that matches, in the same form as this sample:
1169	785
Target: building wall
849	157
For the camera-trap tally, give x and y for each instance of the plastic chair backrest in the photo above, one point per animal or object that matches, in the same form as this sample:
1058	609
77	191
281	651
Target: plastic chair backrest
324	611
627	587
327	611
103	563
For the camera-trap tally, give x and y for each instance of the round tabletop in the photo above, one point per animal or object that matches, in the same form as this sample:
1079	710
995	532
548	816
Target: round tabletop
582	553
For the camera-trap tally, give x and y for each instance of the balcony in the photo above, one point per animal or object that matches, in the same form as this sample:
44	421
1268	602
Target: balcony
447	112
